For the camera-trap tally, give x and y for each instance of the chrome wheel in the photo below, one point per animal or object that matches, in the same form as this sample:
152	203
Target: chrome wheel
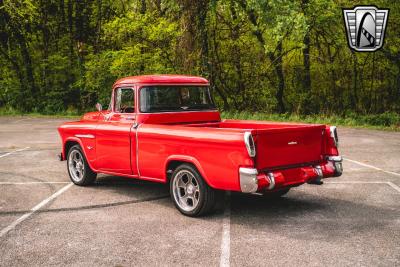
76	165
186	190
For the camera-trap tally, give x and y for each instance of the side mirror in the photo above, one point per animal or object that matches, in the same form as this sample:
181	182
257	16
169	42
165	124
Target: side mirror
99	107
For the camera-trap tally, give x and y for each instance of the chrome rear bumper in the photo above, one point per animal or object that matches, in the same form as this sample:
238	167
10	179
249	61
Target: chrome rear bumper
337	164
252	181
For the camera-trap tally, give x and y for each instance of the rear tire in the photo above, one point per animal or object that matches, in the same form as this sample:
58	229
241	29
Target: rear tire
276	194
79	170
191	195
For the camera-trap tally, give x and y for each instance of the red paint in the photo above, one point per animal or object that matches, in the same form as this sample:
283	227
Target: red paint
141	145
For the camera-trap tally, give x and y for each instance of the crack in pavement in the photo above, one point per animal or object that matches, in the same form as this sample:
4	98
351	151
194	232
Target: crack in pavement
97	206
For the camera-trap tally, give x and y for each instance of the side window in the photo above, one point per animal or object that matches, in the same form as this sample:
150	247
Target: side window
124	100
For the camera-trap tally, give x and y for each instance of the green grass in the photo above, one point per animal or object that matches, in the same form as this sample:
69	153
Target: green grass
16	113
384	121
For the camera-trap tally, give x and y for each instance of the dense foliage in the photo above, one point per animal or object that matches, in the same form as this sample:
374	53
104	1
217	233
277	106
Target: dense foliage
260	55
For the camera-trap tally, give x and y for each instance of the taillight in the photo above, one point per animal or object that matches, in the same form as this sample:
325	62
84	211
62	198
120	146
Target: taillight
249	141
334	135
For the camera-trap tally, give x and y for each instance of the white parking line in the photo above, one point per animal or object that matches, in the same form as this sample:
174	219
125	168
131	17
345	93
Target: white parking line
33	210
392	185
20	120
226	235
395	187
15	151
225	242
355	182
34	183
372	167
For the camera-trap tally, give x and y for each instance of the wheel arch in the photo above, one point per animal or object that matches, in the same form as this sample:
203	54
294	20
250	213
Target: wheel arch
176	160
70	142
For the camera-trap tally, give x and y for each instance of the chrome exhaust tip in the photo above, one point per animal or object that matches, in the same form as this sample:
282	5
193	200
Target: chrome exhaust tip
320	175
318	171
271	180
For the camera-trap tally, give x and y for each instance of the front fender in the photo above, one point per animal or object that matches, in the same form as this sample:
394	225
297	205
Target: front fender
89	154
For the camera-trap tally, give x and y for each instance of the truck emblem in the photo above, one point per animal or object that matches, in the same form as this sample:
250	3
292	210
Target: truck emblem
365	26
292	143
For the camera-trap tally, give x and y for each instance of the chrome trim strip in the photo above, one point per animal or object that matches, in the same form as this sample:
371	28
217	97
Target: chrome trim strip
91	136
136	127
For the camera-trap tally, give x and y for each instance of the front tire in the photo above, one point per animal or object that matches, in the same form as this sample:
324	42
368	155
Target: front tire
191	195
79	170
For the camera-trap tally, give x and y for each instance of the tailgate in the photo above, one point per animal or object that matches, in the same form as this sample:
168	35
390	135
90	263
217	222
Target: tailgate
288	146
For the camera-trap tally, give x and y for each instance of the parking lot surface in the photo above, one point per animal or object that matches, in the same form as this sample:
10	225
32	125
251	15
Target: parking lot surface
45	220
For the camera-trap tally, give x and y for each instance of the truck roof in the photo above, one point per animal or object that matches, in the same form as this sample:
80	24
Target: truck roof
161	79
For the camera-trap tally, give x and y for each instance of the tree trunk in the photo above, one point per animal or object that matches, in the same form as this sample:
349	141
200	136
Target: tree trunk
202	8
70	30
143	9
306	51
276	60
45	42
26	58
280	76
354	97
306	63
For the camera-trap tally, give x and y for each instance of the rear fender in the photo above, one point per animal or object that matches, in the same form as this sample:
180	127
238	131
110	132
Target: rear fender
188	159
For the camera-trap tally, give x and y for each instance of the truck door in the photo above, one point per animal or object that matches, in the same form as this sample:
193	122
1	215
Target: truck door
113	135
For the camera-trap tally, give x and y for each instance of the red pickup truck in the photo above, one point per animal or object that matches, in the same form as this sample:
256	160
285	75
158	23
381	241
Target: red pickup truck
166	128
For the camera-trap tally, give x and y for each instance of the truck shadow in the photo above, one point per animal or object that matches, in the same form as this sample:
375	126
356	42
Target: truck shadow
301	214
306	213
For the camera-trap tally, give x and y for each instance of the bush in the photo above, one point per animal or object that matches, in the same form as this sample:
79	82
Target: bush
387	120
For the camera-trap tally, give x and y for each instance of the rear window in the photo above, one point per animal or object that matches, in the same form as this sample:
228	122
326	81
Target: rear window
175	98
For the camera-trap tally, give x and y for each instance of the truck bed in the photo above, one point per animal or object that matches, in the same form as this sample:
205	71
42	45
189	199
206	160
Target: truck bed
279	145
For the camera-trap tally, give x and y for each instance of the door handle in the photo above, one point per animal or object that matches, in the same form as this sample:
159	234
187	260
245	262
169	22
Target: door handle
135	125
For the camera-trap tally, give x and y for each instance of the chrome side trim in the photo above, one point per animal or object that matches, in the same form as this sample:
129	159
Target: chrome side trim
248	180
91	136
136	127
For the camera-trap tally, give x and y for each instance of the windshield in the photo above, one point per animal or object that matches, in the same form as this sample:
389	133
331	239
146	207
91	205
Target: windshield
175	98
